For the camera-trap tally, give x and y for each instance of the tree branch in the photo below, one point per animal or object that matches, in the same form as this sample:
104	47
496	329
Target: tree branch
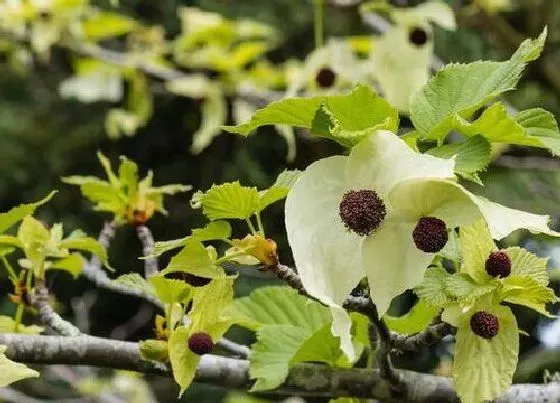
46	315
147	239
431	335
303	379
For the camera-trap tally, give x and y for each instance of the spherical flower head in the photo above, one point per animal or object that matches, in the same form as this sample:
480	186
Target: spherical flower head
200	343
485	324
498	264
325	77
430	234
362	211
418	36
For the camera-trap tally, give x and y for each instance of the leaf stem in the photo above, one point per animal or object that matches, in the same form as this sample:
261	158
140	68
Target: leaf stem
10	270
251	227
19	316
318	16
168	313
259	224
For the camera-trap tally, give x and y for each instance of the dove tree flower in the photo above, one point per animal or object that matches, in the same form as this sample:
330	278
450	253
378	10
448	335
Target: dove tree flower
382	213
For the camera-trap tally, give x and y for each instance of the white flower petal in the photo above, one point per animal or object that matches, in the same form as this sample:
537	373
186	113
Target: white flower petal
445	200
326	254
392	262
341	326
382	160
503	220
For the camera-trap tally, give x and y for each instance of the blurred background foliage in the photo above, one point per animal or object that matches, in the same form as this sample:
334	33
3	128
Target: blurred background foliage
43	137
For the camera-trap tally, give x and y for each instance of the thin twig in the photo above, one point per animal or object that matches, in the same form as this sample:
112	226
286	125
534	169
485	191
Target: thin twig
46	315
431	335
383	353
147	239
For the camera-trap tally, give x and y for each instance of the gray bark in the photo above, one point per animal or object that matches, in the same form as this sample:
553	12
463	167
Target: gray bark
303	379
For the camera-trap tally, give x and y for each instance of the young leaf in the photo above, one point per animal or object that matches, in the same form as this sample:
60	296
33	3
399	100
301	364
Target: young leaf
136	281
533	127
472	156
213	230
73	264
525	263
279	190
11	371
278	306
195	259
432	288
271	354
415	320
183	361
460	89
86	244
323	347
360	110
483	369
477	244
230	200
171	291
523	290
11	217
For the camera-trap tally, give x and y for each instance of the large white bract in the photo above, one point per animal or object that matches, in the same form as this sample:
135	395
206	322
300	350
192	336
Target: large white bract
332	260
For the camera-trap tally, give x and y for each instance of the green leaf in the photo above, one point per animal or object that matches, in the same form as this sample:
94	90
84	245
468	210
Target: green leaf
33	236
483	369
460	89
86	244
432	288
271	354
11	217
171	291
323	347
135	281
477	244
105	24
73	264
472	156
523	290
278	306
128	176
465	290
533	127
11	371
345	128
106	164
415	320
279	190
525	263
8	325
183	361
214	230
452	249
195	259
361	109
230	200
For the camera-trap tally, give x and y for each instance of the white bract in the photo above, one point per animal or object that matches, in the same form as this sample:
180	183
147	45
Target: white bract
332	260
